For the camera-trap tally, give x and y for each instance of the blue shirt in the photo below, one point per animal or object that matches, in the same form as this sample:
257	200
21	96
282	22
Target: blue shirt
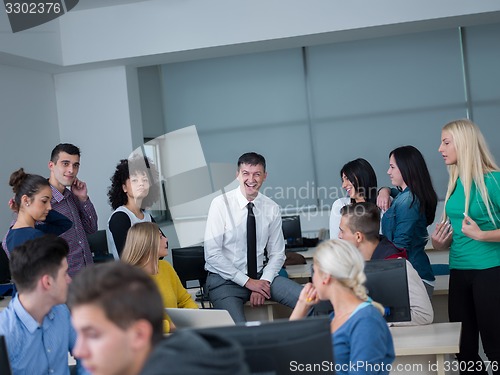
406	227
55	223
34	348
363	344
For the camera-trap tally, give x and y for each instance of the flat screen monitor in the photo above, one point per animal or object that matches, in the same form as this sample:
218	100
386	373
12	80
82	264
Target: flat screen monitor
292	231
4	358
283	346
387	283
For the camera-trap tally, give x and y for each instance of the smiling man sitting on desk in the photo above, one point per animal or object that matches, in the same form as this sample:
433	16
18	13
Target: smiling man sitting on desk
240	225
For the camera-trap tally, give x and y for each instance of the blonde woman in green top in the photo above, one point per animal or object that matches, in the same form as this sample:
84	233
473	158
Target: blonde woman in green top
470	229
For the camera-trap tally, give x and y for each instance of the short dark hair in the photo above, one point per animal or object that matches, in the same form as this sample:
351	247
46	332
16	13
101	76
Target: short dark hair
362	177
416	176
125	293
252	158
25	184
63	147
363	217
127	167
35	258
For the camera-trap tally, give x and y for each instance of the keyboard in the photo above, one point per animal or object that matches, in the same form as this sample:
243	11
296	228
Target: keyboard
295	249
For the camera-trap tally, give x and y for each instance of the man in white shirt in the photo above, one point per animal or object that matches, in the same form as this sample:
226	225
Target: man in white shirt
230	282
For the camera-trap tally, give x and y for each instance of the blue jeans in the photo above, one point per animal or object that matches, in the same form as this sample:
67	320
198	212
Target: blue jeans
226	295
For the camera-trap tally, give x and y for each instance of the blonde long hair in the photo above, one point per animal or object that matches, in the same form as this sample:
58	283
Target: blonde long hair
474	160
142	245
341	260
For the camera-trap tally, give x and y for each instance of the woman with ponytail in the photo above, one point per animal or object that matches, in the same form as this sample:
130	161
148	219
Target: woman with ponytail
35	217
361	339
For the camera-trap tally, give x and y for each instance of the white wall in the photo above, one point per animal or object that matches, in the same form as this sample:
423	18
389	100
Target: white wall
96	113
41	43
29	128
200	28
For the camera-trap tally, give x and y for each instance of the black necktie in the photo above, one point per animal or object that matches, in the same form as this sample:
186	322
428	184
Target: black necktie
251	243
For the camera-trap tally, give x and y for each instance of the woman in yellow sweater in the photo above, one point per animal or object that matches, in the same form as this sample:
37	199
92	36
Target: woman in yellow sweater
144	245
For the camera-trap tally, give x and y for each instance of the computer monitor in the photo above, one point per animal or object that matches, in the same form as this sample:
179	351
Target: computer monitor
283	346
5	368
291	231
387	283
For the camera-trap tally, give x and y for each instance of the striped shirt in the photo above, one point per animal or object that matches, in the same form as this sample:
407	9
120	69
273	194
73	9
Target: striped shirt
84	218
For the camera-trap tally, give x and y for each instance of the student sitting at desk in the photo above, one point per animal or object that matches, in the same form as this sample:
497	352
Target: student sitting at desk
117	312
36	324
144	245
362	342
360	225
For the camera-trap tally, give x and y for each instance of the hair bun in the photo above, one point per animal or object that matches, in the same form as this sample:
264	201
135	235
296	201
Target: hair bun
17	178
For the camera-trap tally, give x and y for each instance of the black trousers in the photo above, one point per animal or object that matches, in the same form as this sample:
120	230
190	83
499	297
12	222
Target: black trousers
474	300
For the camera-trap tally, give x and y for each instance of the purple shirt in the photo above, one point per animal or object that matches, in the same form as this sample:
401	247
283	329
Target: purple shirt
84	218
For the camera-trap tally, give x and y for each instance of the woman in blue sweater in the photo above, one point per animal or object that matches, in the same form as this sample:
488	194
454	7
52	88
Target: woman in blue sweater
413	209
362	342
35	217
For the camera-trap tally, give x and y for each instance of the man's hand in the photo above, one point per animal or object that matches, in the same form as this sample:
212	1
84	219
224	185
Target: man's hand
257	299
79	188
262	287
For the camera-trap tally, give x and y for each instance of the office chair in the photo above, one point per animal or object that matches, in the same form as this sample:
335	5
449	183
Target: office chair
99	247
6	285
189	263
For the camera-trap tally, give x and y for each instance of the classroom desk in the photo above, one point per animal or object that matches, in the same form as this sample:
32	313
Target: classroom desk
436	340
308	254
441	285
299	271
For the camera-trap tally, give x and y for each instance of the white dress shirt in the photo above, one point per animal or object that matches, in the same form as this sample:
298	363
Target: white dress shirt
226	237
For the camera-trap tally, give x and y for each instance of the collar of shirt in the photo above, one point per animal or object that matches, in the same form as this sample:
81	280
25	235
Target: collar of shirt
57	195
243	201
29	322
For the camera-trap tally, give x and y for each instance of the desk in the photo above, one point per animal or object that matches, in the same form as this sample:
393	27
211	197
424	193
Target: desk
436	340
299	271
308	254
441	285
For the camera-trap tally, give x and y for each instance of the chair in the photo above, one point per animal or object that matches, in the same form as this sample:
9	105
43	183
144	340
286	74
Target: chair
6	285
4	267
99	247
189	263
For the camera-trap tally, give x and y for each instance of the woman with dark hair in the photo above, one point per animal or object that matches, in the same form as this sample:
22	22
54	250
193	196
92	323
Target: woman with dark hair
360	183
413	209
134	187
35	217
